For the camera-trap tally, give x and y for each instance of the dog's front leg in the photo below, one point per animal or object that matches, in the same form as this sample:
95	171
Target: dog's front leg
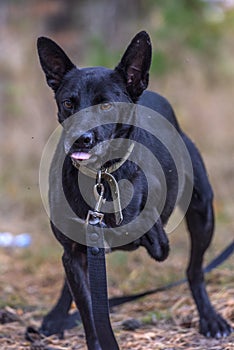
156	242
54	321
75	265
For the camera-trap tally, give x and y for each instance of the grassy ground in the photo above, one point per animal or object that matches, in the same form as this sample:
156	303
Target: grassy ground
30	281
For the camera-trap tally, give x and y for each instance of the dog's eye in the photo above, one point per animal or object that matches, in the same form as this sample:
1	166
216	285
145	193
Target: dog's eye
105	106
68	104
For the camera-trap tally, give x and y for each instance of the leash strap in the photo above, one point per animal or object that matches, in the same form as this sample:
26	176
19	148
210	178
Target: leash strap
224	255
228	251
72	319
98	286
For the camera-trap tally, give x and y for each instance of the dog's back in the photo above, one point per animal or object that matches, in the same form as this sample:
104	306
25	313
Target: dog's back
159	104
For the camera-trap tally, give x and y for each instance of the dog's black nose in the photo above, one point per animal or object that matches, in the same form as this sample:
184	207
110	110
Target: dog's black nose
84	141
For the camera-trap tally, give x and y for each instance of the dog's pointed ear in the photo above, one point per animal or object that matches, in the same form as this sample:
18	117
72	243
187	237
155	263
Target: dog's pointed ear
135	64
54	62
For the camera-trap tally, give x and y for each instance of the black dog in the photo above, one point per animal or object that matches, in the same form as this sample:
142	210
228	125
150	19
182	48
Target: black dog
76	90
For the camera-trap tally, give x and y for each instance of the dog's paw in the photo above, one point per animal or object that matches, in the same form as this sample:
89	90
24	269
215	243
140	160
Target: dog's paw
156	244
214	326
52	324
50	328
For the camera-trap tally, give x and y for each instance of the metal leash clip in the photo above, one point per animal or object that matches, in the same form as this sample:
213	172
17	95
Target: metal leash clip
95	217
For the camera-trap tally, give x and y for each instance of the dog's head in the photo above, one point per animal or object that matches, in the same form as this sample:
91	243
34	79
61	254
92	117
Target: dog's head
76	90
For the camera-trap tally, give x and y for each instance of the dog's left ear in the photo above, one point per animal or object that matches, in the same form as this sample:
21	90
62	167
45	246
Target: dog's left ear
135	64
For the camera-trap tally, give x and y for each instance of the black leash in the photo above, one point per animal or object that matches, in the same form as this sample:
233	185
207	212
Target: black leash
220	258
97	268
224	255
97	265
98	287
73	319
95	242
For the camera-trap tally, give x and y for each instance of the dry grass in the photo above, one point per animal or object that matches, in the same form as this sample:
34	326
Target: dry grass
169	319
177	330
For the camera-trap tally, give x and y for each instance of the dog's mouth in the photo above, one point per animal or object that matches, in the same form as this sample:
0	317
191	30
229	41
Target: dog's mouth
84	158
80	156
92	158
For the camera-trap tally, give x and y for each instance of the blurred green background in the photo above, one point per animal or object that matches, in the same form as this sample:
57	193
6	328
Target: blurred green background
193	66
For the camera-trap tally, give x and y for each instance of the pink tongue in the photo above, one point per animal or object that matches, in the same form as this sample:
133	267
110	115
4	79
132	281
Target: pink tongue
80	156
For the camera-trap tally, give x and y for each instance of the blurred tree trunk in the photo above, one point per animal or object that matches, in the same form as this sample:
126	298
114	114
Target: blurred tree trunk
102	17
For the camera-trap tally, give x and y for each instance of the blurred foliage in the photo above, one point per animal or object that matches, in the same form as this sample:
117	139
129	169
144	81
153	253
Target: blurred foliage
177	28
184	25
181	25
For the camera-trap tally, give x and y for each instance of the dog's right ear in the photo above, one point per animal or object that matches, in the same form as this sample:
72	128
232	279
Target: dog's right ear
54	62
